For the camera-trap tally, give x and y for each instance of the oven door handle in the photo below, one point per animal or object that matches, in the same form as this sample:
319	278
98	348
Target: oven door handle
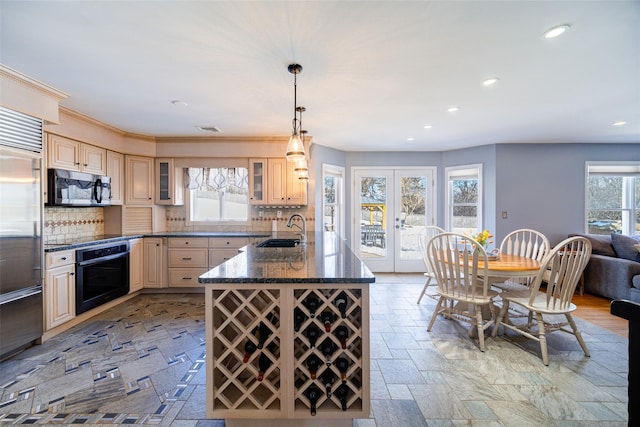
103	259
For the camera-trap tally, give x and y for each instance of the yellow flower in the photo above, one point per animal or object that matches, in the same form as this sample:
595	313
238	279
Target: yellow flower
483	237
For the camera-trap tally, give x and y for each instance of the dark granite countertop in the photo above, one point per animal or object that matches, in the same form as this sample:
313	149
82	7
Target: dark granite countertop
110	238
325	258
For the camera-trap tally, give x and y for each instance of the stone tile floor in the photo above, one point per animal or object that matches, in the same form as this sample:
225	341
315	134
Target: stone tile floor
142	363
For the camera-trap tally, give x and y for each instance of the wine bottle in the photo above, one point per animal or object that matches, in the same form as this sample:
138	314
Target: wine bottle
312	304
313	394
342	364
263	364
327	318
328	348
313	362
328	378
249	348
298	318
342	392
341	303
263	332
342	333
312	333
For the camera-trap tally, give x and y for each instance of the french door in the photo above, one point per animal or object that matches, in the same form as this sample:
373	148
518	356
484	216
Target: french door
391	208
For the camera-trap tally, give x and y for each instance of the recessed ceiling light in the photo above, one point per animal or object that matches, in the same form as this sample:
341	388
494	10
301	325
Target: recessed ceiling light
209	129
179	103
453	109
619	123
556	31
490	82
428	126
411	139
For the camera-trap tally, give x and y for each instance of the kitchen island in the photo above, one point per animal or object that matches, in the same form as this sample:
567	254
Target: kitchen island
287	331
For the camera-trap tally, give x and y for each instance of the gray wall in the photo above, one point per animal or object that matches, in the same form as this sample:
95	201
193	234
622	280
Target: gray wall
540	186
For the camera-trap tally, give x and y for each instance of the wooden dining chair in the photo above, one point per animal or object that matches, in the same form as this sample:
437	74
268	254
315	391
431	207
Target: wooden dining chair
459	265
527	243
562	268
423	239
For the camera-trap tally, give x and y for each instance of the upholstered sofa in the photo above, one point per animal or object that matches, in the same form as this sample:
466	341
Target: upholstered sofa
614	268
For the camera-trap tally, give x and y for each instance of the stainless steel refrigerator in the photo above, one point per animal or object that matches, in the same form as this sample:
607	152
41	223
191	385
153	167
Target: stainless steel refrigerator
21	309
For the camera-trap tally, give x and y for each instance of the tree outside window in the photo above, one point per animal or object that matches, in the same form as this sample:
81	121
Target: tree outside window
613	198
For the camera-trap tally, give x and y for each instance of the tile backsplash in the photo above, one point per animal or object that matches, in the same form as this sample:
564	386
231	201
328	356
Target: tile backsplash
65	224
261	220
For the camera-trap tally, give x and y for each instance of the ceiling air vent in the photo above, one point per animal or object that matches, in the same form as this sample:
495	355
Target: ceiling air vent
209	129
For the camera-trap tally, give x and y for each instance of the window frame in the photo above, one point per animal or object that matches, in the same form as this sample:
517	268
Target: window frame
628	170
469	171
188	201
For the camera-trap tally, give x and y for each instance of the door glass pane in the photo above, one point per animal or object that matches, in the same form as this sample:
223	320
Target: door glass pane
373	217
413	191
329	216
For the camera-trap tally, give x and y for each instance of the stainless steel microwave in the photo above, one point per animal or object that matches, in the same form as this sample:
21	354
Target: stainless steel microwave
70	188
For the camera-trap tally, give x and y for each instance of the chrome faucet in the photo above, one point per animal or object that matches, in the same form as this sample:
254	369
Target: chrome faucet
303	229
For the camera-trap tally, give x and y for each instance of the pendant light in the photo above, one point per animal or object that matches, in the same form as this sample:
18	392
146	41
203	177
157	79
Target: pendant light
295	147
300	168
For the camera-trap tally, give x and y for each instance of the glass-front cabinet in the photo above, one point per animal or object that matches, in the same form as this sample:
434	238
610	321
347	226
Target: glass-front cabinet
257	181
169	189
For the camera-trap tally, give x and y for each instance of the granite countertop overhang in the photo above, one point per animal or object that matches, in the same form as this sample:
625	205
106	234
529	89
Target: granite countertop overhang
325	258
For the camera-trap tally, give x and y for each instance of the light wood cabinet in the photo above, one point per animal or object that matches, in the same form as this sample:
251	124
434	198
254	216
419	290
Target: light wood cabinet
296	187
59	293
277	181
257	181
190	257
115	170
69	154
139	180
153	263
169	188
222	249
136	263
187	259
272	181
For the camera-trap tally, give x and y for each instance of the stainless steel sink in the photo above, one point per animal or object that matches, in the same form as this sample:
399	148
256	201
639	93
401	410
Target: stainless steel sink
279	243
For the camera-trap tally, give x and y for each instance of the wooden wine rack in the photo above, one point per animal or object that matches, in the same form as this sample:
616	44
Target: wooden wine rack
234	314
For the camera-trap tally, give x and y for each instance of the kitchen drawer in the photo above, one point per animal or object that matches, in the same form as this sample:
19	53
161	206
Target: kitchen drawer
218	256
188	258
228	242
179	242
187	277
57	259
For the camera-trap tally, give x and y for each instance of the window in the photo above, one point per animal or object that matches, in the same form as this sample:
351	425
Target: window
218	195
613	198
333	198
464	199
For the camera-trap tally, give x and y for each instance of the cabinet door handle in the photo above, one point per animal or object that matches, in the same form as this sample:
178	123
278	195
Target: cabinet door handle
186	278
186	258
64	258
72	274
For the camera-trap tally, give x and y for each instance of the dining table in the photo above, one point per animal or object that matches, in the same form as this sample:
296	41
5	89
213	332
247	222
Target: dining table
509	266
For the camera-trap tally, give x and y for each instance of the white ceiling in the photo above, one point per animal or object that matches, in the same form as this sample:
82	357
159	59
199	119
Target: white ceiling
375	73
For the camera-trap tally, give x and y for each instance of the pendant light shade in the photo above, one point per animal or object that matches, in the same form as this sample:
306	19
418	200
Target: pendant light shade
295	147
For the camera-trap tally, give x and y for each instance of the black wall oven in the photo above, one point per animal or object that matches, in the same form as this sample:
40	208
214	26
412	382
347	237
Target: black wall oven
102	274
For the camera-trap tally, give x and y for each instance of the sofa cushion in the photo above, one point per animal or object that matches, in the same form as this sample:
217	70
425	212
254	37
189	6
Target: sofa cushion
625	247
636	281
600	244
